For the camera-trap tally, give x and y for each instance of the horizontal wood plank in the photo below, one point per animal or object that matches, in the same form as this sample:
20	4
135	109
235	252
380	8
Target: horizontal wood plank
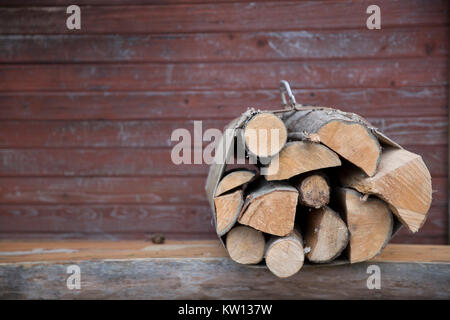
53	251
220	17
137	221
375	102
187	277
225	76
135	190
200	47
140	162
120	190
108	219
157	133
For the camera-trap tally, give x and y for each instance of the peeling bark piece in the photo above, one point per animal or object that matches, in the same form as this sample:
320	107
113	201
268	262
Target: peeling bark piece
245	245
298	157
346	134
265	134
369	222
270	207
325	234
233	180
402	180
228	207
313	191
285	255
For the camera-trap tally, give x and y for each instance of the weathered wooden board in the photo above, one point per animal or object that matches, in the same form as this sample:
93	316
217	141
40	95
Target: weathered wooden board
232	75
157	133
247	46
390	102
128	221
139	162
200	271
119	190
221	17
107	218
130	190
142	70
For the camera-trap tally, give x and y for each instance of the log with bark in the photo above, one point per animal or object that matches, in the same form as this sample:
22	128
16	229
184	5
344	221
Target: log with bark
347	135
264	134
270	207
285	255
325	235
298	157
369	222
245	245
402	180
313	190
330	192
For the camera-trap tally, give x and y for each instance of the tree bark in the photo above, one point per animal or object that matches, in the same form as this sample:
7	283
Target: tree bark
265	134
402	180
233	180
245	245
228	207
313	190
270	207
325	235
346	134
298	157
369	222
285	255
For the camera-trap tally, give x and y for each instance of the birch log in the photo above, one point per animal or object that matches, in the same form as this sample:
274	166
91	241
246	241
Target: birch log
265	135
245	245
298	157
369	222
346	134
285	255
325	234
233	180
402	180
270	207
228	207
313	190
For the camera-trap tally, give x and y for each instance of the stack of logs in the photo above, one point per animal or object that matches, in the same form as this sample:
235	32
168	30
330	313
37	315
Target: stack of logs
332	187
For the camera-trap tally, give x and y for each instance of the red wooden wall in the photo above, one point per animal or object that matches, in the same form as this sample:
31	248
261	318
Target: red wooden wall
86	115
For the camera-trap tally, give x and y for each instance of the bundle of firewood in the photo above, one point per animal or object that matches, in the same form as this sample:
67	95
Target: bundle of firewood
327	186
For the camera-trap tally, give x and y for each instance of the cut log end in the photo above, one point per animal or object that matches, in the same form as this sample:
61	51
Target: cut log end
228	207
325	234
265	135
298	157
369	222
233	180
313	191
285	256
245	245
271	209
402	180
354	142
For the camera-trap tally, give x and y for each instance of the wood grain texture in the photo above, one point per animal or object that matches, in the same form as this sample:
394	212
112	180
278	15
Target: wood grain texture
235	46
107	266
138	162
406	101
153	133
232	75
130	190
118	222
114	91
124	190
20	251
220	17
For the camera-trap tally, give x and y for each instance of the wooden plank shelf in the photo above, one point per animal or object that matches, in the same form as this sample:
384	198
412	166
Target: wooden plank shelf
202	270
